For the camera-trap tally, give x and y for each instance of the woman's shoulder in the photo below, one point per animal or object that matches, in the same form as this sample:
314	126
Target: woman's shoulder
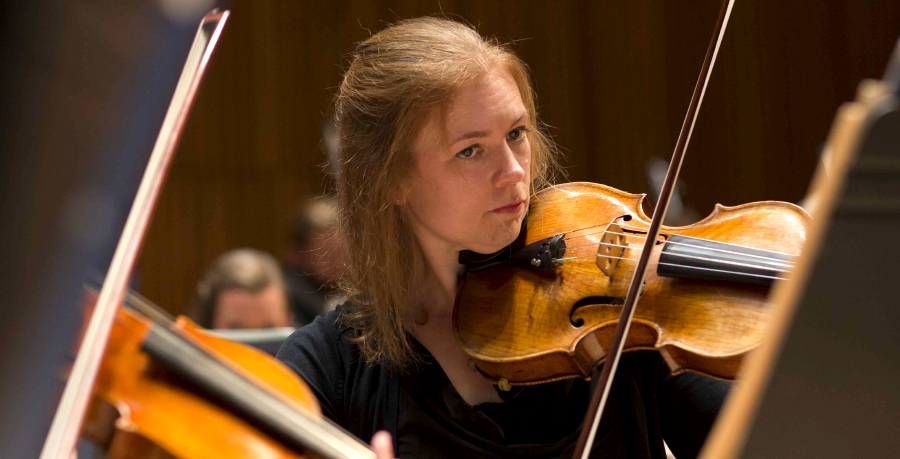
328	346
350	390
327	338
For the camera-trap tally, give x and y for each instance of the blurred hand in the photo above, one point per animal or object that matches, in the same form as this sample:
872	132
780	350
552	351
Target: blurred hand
383	445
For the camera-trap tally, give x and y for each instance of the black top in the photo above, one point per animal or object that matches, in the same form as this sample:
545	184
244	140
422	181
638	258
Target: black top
427	417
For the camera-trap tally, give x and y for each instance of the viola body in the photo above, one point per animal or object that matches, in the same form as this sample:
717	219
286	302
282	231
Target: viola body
141	410
523	326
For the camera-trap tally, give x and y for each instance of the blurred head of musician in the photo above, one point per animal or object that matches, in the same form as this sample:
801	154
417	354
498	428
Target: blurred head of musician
314	260
440	150
243	289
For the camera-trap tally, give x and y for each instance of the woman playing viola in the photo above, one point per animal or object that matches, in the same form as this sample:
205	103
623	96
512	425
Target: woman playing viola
440	150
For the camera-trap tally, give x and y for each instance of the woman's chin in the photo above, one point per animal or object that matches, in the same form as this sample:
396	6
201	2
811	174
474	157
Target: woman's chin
495	244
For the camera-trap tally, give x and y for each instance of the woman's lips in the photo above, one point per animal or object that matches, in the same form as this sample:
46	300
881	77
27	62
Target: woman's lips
511	208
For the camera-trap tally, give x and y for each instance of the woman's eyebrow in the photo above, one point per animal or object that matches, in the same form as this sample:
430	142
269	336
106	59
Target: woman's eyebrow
518	119
473	134
470	135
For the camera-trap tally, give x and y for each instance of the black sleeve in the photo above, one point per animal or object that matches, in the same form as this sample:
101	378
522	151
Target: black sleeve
688	405
316	353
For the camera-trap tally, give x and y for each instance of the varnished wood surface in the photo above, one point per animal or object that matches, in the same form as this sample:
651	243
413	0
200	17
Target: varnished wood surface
514	322
138	411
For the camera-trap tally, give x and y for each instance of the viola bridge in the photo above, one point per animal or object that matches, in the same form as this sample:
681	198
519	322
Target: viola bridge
611	248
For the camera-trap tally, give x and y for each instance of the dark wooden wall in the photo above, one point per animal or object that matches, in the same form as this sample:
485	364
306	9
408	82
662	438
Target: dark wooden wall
613	80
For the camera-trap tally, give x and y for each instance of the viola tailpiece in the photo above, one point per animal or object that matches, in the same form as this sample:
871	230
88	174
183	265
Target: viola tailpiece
543	255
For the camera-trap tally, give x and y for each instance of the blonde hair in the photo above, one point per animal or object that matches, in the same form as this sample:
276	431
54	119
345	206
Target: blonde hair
395	79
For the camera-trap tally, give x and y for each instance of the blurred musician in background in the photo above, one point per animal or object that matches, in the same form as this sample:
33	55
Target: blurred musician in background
244	289
314	260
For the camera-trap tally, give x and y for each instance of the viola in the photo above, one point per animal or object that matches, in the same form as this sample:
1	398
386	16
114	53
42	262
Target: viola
547	308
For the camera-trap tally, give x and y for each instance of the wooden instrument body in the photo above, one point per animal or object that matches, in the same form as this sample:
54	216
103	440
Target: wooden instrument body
138	410
528	327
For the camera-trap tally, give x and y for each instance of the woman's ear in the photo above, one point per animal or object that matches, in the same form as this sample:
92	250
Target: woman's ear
400	195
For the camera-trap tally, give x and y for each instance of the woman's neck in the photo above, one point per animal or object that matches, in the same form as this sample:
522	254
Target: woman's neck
437	275
438	271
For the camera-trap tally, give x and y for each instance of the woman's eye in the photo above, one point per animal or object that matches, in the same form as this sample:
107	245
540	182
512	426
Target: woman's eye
468	152
517	133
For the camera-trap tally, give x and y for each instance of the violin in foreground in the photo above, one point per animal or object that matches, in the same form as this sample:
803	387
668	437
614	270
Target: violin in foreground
546	308
142	385
167	388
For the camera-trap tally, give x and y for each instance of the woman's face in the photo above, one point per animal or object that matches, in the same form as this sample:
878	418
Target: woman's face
469	187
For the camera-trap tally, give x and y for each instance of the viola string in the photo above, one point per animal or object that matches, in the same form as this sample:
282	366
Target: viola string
695	257
587	228
771	259
764	276
638	237
725	243
683	256
583	235
684	266
785	264
706	248
635	228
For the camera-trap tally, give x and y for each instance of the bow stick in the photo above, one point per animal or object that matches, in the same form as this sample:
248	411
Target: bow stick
601	393
70	412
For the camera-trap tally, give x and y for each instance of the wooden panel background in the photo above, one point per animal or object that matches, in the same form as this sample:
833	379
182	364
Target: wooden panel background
613	80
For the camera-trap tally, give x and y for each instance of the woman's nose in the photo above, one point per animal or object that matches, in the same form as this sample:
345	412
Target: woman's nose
511	168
